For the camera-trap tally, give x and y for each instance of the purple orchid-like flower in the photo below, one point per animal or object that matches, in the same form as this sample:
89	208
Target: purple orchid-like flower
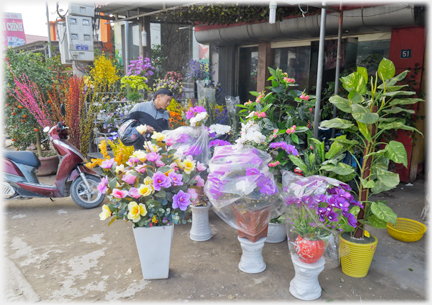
160	180
194	150
181	200
176	179
218	143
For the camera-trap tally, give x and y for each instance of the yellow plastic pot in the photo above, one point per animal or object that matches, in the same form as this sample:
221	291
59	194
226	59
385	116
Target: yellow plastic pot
356	258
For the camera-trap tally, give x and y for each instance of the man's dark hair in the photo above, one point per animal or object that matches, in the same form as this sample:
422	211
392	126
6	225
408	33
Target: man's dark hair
163	91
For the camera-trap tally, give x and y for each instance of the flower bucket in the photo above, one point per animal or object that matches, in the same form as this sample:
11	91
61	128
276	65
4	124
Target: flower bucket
356	258
252	224
276	233
154	250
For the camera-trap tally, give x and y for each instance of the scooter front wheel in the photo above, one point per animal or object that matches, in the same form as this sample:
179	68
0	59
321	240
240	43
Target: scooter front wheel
87	198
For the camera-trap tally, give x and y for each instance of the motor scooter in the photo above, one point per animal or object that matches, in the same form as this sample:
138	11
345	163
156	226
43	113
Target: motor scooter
73	177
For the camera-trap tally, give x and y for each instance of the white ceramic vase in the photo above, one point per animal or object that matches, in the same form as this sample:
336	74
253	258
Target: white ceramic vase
200	229
305	285
252	260
276	233
154	250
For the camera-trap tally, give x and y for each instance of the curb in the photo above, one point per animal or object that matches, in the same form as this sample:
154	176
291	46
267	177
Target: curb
16	287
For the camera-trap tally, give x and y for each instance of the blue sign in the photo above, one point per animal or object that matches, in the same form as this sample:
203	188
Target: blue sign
82	47
406	53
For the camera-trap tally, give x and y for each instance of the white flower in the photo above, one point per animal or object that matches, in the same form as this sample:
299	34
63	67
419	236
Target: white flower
201	116
142	129
219	129
245	187
193	121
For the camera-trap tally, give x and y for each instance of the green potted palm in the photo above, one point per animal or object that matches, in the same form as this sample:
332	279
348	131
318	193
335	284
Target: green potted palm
372	112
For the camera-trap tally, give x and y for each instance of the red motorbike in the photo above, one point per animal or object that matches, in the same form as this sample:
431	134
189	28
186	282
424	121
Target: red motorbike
73	177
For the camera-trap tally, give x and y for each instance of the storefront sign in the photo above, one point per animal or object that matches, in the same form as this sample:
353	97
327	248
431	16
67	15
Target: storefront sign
13	30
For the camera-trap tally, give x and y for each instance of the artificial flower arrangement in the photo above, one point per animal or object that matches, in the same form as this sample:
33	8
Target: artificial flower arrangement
155	188
317	208
242	190
120	151
172	81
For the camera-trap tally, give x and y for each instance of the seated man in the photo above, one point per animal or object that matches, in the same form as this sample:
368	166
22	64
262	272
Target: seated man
152	114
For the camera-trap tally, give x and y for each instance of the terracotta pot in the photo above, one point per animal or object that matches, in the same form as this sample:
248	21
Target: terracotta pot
48	166
252	224
309	251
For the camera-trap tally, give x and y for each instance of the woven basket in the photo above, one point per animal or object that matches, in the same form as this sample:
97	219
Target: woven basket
406	230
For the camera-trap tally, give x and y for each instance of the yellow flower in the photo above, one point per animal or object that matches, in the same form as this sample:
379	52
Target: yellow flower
158	136
179	163
189	166
148	181
145	189
106	212
154	219
366	233
119	169
150	147
140	154
141	129
136	211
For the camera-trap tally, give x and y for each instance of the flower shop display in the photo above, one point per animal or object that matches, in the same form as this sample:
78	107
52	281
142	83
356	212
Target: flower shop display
172	81
153	191
244	194
316	208
135	84
191	140
373	110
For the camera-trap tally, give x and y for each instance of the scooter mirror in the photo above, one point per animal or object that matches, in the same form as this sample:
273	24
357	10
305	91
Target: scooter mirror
46	129
62	110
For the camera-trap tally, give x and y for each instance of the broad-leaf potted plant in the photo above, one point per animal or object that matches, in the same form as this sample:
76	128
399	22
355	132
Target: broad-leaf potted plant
372	109
153	191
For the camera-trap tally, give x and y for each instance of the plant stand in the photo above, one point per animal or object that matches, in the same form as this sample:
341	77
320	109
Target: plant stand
154	250
251	260
305	285
200	230
276	233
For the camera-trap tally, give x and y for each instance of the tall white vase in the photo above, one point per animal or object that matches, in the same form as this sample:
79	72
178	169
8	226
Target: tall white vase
305	285
200	229
252	260
276	233
154	250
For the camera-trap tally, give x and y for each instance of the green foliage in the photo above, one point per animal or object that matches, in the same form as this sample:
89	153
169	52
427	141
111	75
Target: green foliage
374	109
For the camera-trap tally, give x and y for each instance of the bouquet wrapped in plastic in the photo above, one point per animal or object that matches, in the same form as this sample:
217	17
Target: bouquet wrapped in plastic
190	141
316	209
242	190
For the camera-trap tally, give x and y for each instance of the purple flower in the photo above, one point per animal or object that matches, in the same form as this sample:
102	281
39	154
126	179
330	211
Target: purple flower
194	150
332	216
102	186
200	181
160	180
189	114
352	221
250	171
176	179
267	186
357	203
182	138
181	200
107	164
218	143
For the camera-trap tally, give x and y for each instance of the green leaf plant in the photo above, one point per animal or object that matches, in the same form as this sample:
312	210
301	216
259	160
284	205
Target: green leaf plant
373	109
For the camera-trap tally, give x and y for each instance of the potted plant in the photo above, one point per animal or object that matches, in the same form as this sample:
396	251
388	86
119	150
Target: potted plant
134	83
153	191
316	207
372	109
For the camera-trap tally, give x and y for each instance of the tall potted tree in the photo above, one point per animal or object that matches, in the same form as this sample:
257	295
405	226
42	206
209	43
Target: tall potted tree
372	109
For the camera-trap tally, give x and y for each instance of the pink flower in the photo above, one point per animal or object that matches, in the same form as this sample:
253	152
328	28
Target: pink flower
133	192
119	193
107	164
310	109
306	97
302	97
288	131
141	169
169	141
200	181
201	167
193	194
152	157
129	178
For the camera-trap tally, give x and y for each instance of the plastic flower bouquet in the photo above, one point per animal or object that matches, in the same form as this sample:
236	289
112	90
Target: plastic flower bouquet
316	209
155	187
242	190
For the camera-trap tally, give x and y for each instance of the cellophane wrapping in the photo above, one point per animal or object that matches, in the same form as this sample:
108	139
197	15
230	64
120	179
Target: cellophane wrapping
307	229
241	188
190	141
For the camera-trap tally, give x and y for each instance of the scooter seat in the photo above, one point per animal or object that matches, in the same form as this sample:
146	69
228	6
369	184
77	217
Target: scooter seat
23	157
